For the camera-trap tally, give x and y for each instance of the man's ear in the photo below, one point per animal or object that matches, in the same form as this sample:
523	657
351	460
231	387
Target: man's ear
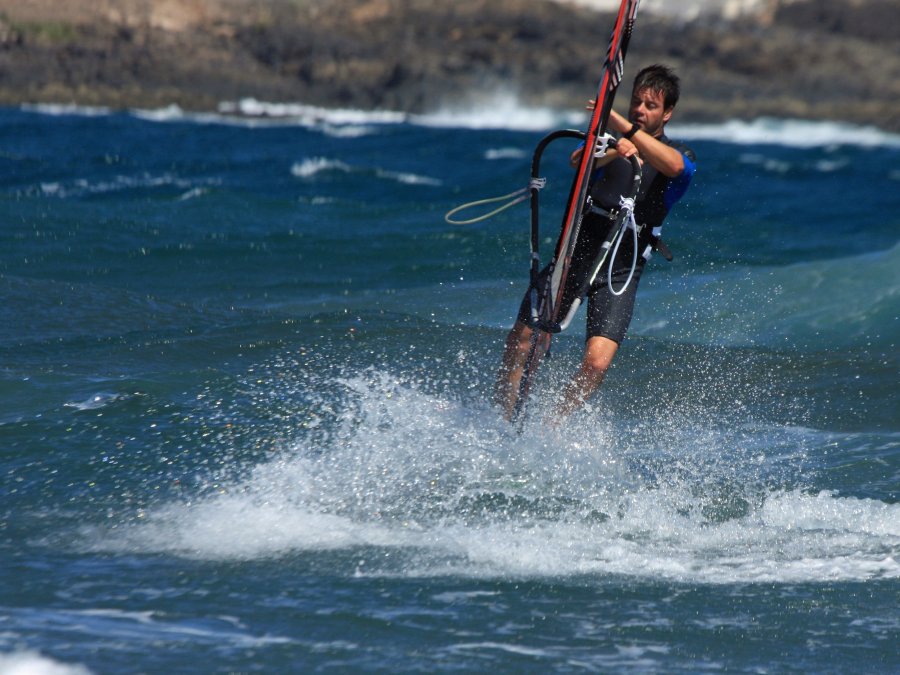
667	114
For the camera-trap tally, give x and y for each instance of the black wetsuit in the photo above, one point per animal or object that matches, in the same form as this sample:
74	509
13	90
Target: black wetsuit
608	315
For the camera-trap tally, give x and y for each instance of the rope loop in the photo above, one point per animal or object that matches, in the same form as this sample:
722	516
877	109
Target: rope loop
626	204
513	198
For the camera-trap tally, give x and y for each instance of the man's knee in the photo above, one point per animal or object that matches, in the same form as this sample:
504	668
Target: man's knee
597	364
519	338
598	355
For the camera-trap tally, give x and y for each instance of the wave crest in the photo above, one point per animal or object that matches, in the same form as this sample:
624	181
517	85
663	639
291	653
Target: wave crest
498	111
405	482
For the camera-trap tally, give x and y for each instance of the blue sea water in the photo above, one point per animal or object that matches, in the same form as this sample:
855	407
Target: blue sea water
245	371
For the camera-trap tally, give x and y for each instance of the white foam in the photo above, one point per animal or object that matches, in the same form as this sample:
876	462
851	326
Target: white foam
451	490
124	625
168	113
120	623
33	663
505	153
509	648
244	526
193	193
80	187
95	401
793	133
498	110
312	166
59	109
408	178
310	115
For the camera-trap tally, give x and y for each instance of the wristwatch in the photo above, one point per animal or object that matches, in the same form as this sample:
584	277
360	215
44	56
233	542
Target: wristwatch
631	132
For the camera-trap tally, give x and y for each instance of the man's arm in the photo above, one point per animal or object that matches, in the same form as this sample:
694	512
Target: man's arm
667	160
624	148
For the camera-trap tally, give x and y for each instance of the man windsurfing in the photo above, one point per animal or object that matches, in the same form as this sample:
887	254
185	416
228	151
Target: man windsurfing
667	168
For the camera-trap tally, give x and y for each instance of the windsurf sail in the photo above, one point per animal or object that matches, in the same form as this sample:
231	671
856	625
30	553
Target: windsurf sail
547	293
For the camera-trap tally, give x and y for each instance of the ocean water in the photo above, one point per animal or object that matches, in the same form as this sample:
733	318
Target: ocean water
245	418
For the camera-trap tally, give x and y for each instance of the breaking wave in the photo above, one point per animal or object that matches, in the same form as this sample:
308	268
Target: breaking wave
501	111
404	482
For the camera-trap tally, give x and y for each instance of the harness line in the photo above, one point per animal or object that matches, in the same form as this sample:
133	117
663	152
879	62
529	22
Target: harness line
627	205
514	198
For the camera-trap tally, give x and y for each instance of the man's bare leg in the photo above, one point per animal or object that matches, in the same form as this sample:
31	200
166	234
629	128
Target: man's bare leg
515	354
598	355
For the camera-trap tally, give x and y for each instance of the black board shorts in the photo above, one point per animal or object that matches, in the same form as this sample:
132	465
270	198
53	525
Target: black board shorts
608	315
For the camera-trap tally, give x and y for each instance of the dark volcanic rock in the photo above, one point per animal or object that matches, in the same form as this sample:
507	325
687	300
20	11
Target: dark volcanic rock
823	59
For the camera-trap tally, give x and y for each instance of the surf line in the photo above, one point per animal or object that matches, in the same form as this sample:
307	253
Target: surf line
548	315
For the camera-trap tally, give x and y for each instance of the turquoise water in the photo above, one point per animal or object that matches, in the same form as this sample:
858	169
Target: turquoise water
245	370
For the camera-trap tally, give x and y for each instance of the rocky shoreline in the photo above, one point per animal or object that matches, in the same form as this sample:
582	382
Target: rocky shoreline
822	59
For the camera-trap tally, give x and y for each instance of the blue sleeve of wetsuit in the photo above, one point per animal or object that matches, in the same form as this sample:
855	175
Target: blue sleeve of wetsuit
679	185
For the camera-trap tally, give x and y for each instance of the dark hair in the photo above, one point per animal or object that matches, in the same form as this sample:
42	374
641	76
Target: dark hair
659	78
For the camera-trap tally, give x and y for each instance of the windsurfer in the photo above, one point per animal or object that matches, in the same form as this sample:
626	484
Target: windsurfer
667	169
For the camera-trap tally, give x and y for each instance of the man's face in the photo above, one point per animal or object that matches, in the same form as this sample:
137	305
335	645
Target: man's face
648	110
